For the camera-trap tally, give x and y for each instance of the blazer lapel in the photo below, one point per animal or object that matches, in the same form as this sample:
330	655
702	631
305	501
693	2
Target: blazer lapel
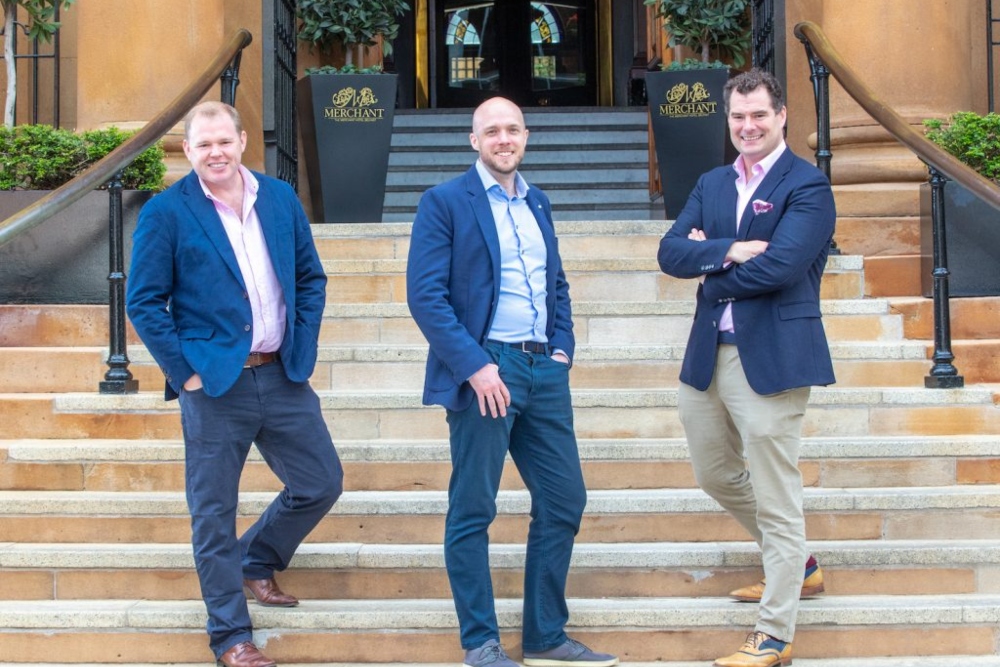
487	225
765	190
727	205
204	213
265	207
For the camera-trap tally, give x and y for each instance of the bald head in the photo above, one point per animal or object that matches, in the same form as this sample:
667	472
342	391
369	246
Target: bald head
492	107
499	136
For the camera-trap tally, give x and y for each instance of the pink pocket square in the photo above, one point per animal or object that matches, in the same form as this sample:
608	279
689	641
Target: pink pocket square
761	206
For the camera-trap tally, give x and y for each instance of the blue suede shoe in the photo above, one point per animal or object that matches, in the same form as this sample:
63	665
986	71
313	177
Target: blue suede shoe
569	654
490	654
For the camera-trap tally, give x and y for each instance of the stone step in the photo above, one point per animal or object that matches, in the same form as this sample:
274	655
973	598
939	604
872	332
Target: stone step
598	414
409	465
645	515
455	158
562	118
542	176
384	281
350	571
971	317
872	200
397	631
401	367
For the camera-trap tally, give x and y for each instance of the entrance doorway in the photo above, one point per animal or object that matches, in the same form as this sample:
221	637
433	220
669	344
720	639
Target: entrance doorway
534	53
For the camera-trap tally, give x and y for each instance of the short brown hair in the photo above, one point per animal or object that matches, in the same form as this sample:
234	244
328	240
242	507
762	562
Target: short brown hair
751	80
211	110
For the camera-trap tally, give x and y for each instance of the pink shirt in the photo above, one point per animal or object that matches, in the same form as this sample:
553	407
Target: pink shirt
263	289
745	187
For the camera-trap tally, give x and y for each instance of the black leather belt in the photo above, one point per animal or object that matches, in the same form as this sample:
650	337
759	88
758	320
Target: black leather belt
260	358
528	346
727	338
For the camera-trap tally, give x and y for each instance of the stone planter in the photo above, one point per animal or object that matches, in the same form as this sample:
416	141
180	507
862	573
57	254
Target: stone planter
346	125
65	258
972	229
688	115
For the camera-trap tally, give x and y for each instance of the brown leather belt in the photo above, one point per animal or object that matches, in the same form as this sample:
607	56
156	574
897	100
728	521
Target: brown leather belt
260	358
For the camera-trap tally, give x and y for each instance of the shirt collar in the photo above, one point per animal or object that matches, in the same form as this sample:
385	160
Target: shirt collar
761	167
520	185
250	184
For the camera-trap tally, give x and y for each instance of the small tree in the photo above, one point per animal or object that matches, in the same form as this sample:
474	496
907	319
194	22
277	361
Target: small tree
354	24
41	25
707	27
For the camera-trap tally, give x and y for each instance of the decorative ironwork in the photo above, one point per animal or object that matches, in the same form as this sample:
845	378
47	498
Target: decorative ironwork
820	77
118	379
230	80
991	45
943	374
764	34
35	57
281	156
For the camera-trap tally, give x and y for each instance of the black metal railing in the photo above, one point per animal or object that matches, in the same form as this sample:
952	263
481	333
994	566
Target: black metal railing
991	47
223	67
35	58
281	149
824	57
763	34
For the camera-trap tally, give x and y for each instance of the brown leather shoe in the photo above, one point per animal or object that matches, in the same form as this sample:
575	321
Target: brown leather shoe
244	654
811	587
268	594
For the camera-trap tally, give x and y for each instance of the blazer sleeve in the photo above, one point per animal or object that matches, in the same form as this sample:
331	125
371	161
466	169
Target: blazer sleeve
805	226
682	257
429	284
149	286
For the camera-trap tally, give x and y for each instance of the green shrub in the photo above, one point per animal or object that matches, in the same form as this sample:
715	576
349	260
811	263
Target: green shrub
973	139
41	157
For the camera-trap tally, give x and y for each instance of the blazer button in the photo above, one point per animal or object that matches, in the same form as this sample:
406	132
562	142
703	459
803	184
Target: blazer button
246	328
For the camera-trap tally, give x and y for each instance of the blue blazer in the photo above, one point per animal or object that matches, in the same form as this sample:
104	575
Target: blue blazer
453	284
775	296
186	296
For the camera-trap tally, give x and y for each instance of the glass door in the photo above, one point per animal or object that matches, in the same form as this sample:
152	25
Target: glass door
535	53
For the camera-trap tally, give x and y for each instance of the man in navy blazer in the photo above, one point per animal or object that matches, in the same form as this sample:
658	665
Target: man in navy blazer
756	235
227	292
486	287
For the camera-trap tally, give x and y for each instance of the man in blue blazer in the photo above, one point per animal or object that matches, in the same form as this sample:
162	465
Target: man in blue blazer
486	287
227	292
756	236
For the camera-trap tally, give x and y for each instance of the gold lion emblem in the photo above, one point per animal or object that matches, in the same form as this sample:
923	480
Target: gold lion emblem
344	97
366	97
677	93
698	93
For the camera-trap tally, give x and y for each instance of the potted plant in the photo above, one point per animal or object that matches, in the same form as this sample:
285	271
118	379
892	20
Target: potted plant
685	101
65	259
346	113
972	226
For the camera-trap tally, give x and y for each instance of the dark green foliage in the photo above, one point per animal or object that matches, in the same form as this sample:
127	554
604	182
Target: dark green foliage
352	23
693	63
973	139
719	28
40	157
346	69
41	15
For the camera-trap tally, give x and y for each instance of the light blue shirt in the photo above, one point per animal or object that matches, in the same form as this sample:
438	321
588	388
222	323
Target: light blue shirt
521	312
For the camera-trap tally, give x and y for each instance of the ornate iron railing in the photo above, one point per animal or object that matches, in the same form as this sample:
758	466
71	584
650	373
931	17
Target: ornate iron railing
35	57
281	155
991	46
225	67
823	57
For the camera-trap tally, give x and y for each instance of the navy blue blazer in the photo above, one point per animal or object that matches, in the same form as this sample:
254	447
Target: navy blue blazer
453	284
186	297
775	296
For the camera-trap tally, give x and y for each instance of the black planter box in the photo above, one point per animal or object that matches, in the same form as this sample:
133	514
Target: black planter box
972	232
346	124
688	115
64	259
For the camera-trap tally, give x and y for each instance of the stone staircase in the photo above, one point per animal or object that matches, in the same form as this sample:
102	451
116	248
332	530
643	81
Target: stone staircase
593	164
902	498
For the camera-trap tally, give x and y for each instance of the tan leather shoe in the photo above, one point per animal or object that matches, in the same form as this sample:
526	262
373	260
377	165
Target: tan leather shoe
812	585
244	654
268	594
759	650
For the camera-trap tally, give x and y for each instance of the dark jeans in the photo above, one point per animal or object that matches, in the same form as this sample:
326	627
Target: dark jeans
285	421
538	432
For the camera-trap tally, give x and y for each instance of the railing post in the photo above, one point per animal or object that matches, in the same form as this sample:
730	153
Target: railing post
820	77
118	379
230	79
943	374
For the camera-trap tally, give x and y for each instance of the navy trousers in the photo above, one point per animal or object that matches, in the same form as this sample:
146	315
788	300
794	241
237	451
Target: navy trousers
538	432
285	421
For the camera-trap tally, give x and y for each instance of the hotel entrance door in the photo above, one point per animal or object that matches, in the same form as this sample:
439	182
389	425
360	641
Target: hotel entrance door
535	53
